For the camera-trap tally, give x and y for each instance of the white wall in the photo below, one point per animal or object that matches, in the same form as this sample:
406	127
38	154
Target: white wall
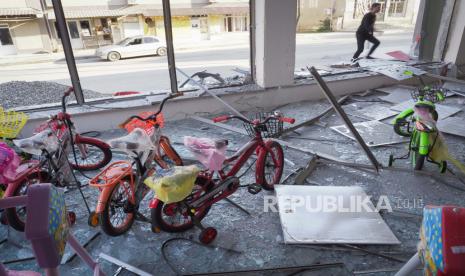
27	36
87	120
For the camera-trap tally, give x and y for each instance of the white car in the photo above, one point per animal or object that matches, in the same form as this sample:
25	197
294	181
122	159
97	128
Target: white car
135	46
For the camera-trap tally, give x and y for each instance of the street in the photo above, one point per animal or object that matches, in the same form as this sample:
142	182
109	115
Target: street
150	73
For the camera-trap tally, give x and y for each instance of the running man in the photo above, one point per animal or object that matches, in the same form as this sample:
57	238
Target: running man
365	32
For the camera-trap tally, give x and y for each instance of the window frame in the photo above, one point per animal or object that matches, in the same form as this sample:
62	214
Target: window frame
394	5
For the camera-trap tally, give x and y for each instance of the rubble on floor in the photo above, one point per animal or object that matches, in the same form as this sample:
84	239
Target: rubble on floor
257	241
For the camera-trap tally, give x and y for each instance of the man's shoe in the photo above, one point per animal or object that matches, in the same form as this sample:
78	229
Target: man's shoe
354	60
370	57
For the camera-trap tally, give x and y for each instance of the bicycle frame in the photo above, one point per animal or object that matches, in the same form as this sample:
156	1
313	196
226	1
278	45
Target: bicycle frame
32	167
63	127
242	155
118	170
238	159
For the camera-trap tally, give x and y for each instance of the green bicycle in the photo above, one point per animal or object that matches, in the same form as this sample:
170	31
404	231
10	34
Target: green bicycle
419	123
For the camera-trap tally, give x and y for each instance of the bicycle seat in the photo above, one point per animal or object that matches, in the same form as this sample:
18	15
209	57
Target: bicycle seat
44	140
136	141
211	153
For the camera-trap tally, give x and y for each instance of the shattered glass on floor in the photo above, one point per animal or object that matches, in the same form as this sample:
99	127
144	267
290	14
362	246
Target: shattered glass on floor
257	240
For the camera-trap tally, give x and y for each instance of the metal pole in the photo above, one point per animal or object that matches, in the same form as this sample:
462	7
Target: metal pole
329	95
47	24
410	266
169	46
68	50
252	32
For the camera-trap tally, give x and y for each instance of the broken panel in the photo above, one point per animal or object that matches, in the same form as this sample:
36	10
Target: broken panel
374	133
452	125
371	112
307	218
444	111
397	94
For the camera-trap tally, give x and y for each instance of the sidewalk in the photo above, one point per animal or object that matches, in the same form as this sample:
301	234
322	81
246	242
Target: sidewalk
218	41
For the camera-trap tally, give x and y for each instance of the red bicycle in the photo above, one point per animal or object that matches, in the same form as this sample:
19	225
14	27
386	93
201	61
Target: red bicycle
183	215
84	153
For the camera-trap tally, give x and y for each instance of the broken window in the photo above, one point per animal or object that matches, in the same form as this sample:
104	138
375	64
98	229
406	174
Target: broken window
326	33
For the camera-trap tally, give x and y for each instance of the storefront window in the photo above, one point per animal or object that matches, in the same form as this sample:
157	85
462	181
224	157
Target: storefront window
85	28
123	49
5	36
73	29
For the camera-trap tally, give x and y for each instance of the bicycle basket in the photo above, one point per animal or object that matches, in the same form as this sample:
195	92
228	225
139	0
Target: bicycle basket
271	129
11	123
145	125
432	94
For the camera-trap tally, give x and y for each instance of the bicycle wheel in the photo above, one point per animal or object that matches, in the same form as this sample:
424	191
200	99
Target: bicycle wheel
118	216
91	154
270	165
16	216
169	156
417	159
174	217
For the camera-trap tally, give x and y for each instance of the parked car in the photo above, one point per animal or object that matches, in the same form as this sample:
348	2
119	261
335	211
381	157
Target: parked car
135	46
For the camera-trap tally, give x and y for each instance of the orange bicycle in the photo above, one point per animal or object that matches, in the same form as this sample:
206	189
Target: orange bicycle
121	183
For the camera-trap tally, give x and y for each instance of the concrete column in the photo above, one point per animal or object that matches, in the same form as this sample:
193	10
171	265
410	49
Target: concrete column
455	46
443	31
275	31
432	15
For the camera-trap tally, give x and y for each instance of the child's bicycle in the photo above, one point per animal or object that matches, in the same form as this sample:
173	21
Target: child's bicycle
419	123
85	153
11	124
121	183
50	165
183	215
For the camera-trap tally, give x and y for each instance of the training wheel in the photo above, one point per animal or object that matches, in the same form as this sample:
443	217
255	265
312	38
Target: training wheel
208	235
93	219
442	166
72	217
391	160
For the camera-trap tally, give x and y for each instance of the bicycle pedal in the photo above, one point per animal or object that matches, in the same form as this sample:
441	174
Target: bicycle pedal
254	189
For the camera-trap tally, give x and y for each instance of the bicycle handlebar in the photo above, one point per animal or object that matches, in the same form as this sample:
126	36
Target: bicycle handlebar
63	99
151	117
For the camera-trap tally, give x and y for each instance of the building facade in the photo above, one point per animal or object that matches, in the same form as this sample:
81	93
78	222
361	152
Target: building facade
22	28
400	13
29	26
334	15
